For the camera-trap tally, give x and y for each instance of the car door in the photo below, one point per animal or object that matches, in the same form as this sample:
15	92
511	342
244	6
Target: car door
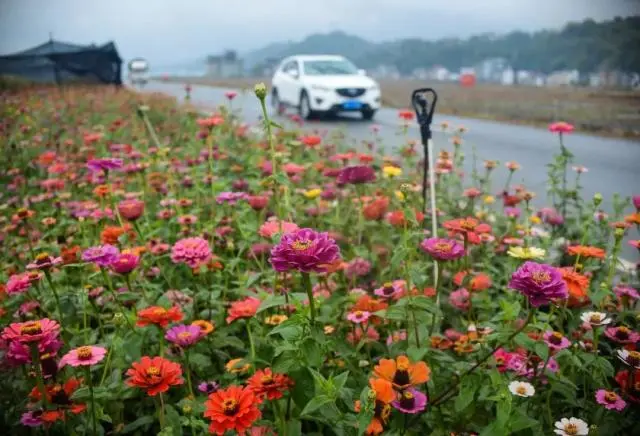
290	83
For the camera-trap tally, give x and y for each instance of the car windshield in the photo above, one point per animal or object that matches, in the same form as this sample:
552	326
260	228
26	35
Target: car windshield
328	67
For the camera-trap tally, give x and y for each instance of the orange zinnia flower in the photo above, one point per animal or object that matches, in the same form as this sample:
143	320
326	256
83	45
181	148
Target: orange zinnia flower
266	384
110	234
634	218
402	373
376	209
382	409
205	326
479	282
154	374
469	227
59	396
586	251
234	408
577	284
159	316
366	303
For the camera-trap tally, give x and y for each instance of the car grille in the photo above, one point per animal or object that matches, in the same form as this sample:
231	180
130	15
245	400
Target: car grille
351	92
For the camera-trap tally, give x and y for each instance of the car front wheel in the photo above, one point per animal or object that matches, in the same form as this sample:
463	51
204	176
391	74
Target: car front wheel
304	108
368	114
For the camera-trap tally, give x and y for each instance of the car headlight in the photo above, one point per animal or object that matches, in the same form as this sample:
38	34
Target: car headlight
320	88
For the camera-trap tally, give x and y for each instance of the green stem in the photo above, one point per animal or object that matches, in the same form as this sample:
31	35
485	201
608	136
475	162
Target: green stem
35	360
93	402
47	275
251	344
435	286
161	412
107	280
106	365
306	282
188	371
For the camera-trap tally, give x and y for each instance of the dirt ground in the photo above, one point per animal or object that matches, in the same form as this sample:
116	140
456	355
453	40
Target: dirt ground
606	112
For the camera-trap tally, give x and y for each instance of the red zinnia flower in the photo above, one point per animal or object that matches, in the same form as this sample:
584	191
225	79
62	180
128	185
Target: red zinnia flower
234	408
154	374
406	115
311	140
59	397
469	227
265	383
159	316
243	309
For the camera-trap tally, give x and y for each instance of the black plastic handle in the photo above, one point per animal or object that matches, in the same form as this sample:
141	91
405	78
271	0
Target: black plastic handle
424	103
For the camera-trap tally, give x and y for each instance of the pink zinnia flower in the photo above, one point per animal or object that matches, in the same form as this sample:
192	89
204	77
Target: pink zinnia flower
272	227
87	355
184	335
304	250
610	400
44	262
622	335
356	174
622	291
442	249
103	255
358	316
460	299
410	401
561	127
555	340
31	419
31	331
540	283
192	251
390	289
397	336
18	284
131	209
231	197
125	263
106	164
357	267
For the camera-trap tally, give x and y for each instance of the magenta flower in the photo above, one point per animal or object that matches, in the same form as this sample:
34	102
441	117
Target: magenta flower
636	202
87	355
512	212
19	353
32	418
358	267
192	251
442	249
555	340
18	284
208	387
184	335
106	164
358	316
390	289
356	174
41	330
624	291
125	263
103	255
231	197
411	401
540	283
44	262
304	250
610	400
622	335
460	299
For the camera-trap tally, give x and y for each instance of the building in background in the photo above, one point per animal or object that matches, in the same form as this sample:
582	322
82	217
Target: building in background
492	70
226	65
564	78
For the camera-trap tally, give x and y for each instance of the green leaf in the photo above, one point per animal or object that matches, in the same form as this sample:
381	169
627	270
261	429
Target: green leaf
542	350
521	421
423	302
200	361
366	411
315	403
340	380
274	124
465	397
140	422
294	427
312	353
271	301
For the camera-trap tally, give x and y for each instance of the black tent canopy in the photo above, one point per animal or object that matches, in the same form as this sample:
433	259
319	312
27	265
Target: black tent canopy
61	62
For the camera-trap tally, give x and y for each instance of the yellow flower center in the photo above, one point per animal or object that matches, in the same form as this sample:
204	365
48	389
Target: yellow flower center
610	397
521	390
301	245
595	318
153	371
184	335
84	353
468	224
443	247
407	395
31	328
266	380
230	406
42	257
633	358
540	277
159	311
571	429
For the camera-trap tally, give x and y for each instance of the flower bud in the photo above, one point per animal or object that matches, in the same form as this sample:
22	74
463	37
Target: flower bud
597	199
260	90
619	233
119	319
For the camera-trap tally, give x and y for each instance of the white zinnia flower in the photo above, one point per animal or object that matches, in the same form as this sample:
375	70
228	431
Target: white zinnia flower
571	427
522	389
595	318
631	358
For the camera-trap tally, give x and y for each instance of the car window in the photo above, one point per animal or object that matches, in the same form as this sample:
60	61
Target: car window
290	66
328	67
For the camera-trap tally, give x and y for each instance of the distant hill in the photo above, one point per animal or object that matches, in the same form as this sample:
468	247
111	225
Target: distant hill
586	46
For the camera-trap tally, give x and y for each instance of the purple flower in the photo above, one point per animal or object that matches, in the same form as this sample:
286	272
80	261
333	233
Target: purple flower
304	250
357	267
512	212
103	255
626	291
411	401
390	289
539	282
106	164
184	335
622	335
32	418
555	340
231	197
125	263
208	387
442	249
356	174
610	400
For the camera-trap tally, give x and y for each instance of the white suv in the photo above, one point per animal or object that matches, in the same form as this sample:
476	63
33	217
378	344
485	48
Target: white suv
317	84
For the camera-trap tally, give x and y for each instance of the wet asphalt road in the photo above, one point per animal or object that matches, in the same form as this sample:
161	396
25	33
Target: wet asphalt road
613	164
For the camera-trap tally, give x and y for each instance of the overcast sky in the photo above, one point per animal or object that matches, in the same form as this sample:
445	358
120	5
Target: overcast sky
177	30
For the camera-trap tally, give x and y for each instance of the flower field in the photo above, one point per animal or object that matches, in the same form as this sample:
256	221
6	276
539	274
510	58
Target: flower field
173	273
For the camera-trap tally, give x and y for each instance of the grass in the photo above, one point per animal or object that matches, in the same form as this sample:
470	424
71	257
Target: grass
599	111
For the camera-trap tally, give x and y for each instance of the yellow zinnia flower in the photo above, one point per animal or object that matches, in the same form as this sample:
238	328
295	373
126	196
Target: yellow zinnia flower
312	193
399	195
391	171
526	252
489	199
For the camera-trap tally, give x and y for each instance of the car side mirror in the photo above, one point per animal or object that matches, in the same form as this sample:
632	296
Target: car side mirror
362	72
